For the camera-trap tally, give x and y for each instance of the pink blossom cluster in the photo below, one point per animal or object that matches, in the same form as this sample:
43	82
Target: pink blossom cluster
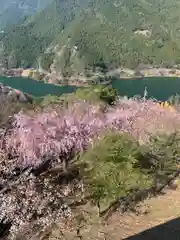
52	135
59	134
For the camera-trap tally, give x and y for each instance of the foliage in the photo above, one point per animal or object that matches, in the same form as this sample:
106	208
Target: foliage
46	60
88	93
115	165
43	27
65	99
94	94
109	95
110	167
60	133
116	35
97	93
49	100
174	100
163	154
15	12
107	147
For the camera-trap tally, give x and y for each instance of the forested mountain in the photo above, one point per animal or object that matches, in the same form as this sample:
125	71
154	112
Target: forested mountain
14	12
74	35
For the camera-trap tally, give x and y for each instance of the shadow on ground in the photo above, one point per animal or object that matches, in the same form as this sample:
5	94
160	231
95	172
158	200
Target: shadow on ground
167	231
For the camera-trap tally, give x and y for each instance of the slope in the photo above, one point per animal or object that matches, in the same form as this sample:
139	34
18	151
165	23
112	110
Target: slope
30	39
14	12
103	33
152	222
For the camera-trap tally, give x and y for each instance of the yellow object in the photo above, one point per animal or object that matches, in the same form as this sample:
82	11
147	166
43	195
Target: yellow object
26	73
166	104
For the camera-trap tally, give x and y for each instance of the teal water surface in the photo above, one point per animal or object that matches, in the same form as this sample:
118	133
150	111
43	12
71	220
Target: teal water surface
160	88
36	88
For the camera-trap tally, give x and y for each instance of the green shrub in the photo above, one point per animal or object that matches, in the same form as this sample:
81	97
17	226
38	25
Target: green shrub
47	60
50	100
110	168
87	94
97	93
162	154
108	95
116	165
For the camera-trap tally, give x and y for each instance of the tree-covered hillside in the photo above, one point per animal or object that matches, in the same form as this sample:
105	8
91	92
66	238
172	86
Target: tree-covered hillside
14	12
106	33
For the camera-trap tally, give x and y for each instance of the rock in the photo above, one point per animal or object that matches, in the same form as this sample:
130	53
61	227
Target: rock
1	87
5	89
22	98
36	75
13	95
27	73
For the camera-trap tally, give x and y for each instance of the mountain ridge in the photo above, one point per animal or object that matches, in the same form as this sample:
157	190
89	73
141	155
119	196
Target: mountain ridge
72	36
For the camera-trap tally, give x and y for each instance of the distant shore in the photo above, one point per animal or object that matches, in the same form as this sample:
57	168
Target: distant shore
126	73
101	78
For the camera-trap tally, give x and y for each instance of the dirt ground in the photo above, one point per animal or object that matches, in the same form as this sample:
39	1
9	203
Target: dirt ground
161	210
158	217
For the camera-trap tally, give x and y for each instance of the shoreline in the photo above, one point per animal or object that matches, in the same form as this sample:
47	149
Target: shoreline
125	73
153	76
102	78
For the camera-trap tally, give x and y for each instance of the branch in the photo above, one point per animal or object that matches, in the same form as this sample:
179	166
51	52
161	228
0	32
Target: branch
124	202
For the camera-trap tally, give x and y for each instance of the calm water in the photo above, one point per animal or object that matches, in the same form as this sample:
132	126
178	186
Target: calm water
35	88
160	88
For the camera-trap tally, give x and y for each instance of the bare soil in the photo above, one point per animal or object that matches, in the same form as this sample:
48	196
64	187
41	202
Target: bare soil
158	217
160	210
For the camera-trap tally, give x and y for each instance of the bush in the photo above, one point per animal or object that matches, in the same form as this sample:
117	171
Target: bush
116	165
110	167
162	155
51	100
98	94
108	95
47	60
87	94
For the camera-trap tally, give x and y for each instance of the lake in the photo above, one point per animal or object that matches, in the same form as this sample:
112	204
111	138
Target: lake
160	88
36	88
